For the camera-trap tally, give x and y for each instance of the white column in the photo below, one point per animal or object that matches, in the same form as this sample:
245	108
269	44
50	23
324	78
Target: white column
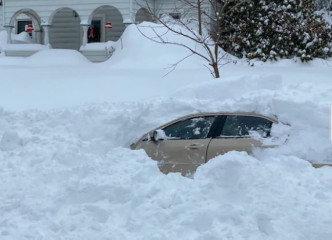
85	34
131	10
34	36
9	33
38	36
46	34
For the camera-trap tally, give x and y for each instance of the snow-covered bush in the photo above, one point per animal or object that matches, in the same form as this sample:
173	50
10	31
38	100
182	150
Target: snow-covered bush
324	4
277	29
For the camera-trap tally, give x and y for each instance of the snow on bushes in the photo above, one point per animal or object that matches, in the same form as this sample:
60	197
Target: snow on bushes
277	29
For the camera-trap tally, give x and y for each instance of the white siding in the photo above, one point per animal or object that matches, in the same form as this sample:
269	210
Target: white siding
66	31
177	6
173	6
143	15
143	4
1	18
45	8
139	4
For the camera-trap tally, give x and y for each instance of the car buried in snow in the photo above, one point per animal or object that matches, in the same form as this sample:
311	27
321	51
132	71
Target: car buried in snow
184	144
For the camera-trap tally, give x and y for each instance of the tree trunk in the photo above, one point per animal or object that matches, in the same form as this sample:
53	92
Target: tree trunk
199	17
216	70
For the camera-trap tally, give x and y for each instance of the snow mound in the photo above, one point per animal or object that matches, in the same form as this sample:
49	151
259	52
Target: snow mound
56	57
98	46
64	179
9	141
26	46
135	50
21	38
223	89
66	171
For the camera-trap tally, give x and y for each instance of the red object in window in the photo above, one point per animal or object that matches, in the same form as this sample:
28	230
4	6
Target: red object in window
30	28
108	25
91	32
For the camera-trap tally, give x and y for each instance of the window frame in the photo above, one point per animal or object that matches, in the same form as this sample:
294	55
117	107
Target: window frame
210	133
216	127
102	19
222	122
20	21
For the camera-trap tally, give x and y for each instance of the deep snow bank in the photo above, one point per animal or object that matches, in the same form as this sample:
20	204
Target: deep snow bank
63	177
306	106
65	174
65	171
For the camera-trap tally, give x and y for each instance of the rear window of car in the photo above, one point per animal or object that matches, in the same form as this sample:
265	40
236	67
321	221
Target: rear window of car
244	126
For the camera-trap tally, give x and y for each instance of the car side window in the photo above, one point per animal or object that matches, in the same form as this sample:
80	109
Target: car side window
243	126
193	128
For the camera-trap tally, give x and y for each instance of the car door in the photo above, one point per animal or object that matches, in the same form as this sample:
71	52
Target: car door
236	133
181	146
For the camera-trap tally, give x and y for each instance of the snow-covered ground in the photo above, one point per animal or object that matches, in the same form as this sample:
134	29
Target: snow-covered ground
66	171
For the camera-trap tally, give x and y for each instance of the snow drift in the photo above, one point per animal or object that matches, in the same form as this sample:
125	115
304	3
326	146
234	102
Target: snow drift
66	171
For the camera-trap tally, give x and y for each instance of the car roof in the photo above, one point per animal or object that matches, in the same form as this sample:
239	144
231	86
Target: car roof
202	114
273	119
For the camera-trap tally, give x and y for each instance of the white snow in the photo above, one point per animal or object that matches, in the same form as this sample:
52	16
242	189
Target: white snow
21	38
98	46
66	171
327	15
24	46
20	42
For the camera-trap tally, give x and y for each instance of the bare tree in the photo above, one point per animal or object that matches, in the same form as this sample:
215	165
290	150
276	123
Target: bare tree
198	20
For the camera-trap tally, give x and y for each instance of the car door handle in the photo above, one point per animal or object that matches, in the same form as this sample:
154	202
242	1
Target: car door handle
194	146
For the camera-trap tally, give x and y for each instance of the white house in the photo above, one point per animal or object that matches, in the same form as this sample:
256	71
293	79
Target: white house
70	24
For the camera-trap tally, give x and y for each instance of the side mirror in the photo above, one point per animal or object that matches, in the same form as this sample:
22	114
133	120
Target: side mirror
157	135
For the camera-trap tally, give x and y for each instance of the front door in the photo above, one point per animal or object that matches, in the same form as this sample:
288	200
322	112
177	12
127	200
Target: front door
179	155
183	145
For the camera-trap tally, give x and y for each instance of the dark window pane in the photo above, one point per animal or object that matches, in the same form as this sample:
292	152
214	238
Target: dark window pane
194	128
22	25
243	125
94	31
